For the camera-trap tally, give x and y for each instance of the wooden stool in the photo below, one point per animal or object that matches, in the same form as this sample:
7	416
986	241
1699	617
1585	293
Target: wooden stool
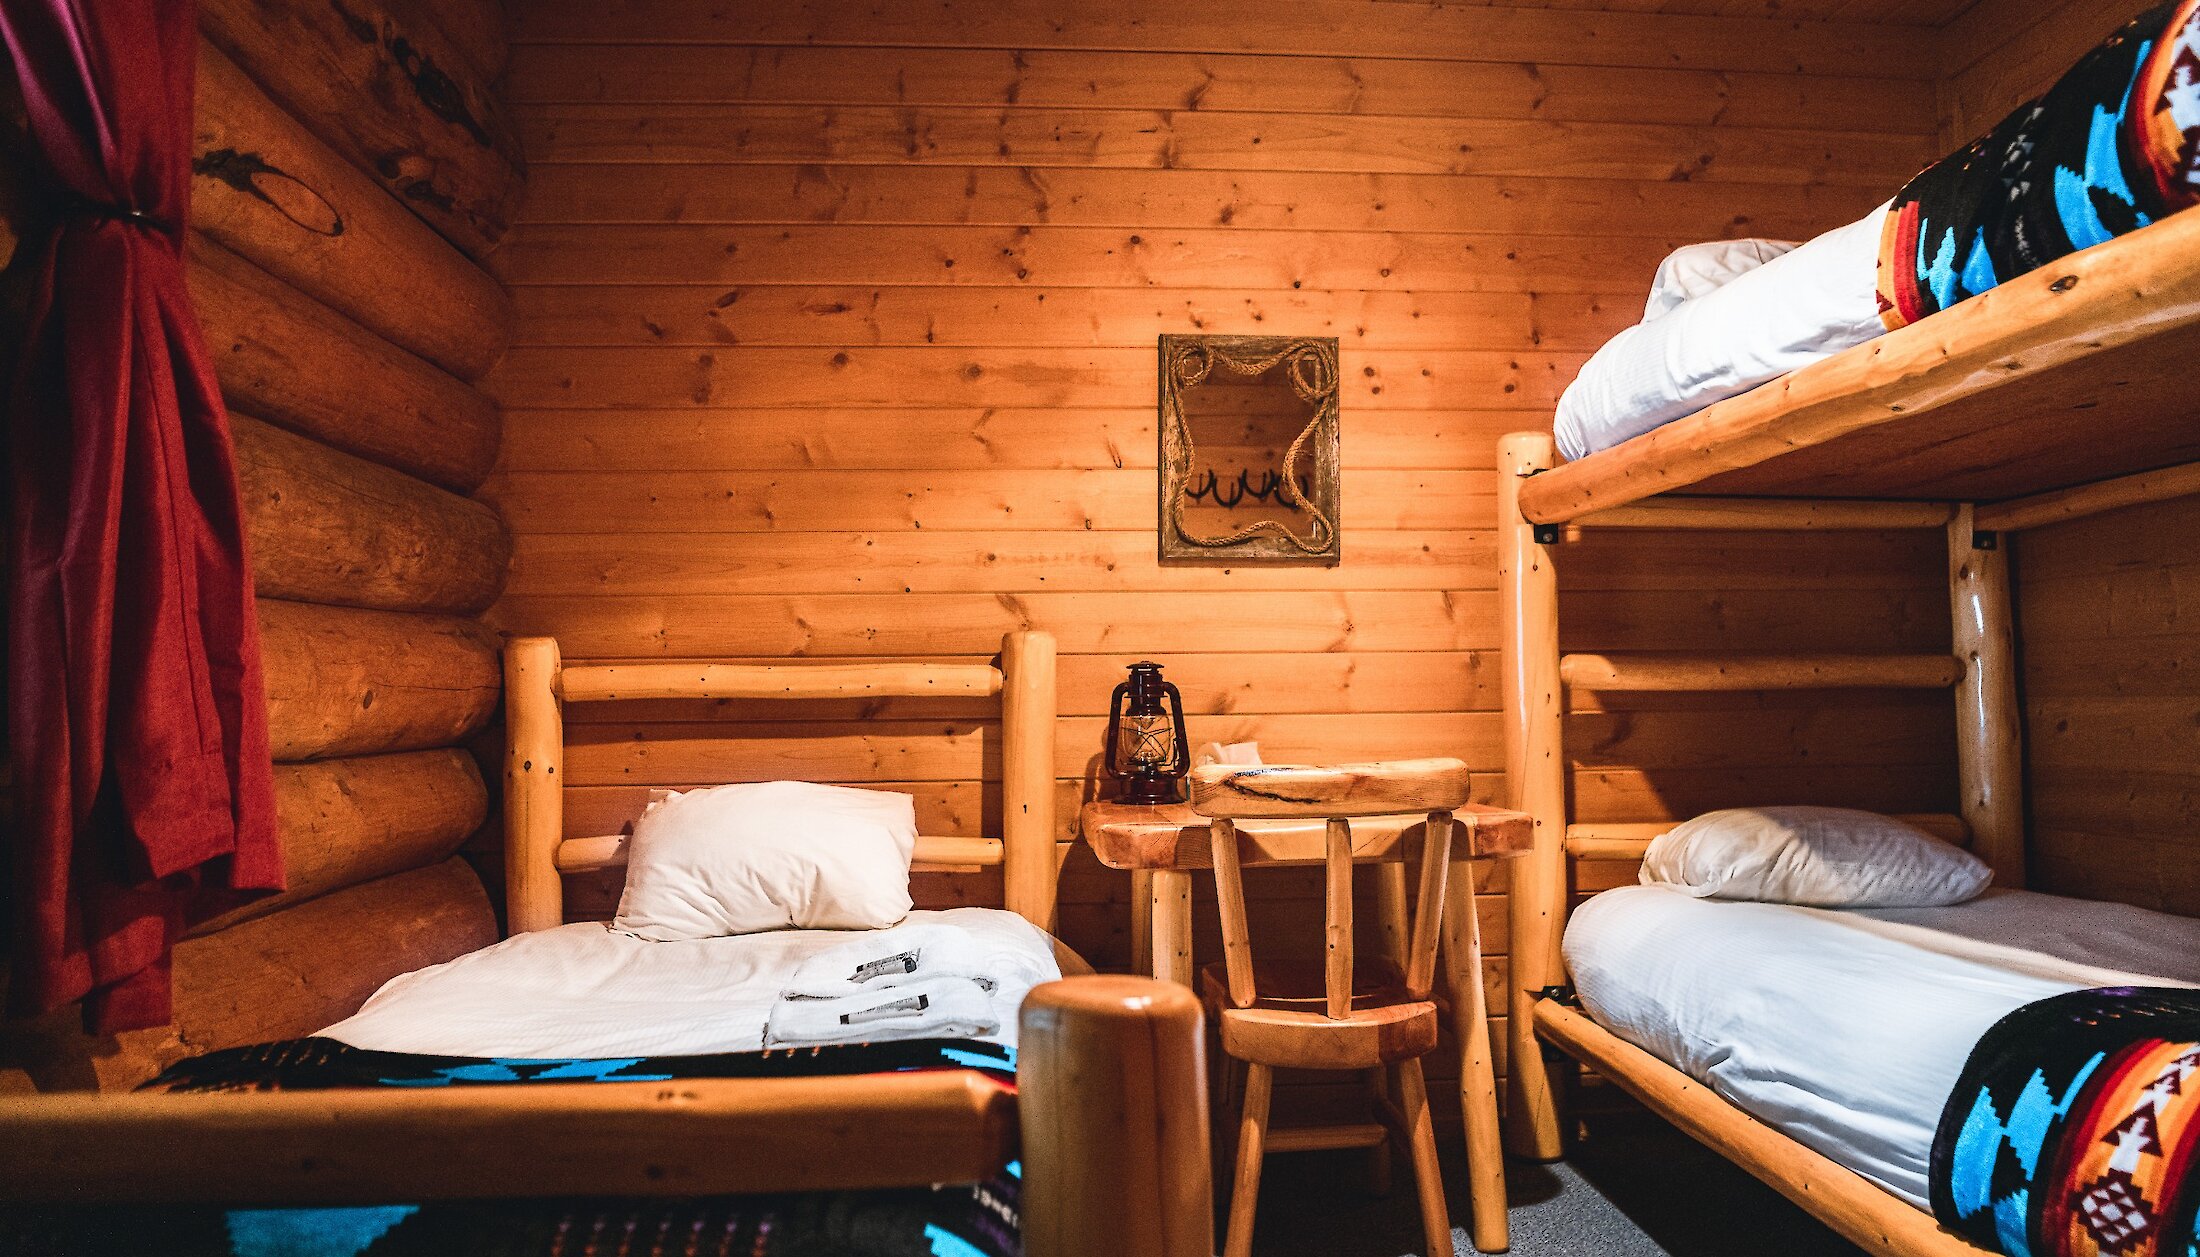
1360	1018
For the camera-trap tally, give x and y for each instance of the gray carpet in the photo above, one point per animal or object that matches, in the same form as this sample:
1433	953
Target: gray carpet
1633	1188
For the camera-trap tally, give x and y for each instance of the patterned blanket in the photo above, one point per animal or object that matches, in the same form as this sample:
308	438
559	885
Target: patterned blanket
2112	147
2073	1129
959	1220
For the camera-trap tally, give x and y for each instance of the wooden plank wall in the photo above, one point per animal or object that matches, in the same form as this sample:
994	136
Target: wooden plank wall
2106	606
352	172
837	336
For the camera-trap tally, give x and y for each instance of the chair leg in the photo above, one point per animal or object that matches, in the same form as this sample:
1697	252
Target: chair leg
1427	1175
1378	1157
1477	1070
1252	1141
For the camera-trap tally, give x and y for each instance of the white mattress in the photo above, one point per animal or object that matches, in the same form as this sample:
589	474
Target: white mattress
1782	316
584	990
1847	1029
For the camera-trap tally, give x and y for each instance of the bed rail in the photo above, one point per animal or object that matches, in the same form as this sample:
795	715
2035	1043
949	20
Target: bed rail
1108	1115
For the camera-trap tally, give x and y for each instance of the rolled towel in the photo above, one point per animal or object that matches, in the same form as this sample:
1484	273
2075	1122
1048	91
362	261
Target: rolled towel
903	954
936	1008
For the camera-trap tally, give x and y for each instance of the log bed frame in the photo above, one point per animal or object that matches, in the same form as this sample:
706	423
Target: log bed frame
2061	394
1108	1117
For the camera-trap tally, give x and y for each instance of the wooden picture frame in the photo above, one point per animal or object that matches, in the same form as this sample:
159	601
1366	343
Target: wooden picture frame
1308	478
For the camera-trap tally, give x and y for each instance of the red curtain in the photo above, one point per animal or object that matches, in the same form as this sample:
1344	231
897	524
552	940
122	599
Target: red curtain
138	734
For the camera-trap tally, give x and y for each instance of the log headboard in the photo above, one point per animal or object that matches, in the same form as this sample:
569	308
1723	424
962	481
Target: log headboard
537	683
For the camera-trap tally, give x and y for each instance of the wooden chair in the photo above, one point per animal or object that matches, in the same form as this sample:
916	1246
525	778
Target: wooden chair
1370	1015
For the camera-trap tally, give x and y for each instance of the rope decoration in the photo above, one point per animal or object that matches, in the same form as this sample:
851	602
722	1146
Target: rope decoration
1311	369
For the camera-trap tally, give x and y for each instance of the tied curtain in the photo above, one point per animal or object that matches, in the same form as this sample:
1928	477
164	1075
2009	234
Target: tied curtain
144	798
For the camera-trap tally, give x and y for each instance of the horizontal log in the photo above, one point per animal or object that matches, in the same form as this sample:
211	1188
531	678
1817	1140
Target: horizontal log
347	821
613	681
601	852
346	682
2091	499
266	188
384	86
327	527
282	976
287	358
366	1145
1780	514
1676	672
1629	840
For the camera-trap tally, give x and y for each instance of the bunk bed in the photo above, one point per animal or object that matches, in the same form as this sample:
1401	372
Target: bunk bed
1106	1113
2059	394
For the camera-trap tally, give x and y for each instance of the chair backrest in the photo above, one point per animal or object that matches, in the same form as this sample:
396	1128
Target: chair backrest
1228	793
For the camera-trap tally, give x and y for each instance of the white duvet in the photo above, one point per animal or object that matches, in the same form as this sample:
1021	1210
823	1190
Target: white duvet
1846	1029
584	990
1748	330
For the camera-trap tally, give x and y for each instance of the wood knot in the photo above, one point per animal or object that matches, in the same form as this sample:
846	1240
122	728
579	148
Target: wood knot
2065	284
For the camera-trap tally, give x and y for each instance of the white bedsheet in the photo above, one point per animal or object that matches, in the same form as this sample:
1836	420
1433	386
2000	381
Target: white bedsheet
584	990
1762	324
1847	1029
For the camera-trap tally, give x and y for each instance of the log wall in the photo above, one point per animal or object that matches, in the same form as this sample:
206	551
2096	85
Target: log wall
836	337
2108	608
344	187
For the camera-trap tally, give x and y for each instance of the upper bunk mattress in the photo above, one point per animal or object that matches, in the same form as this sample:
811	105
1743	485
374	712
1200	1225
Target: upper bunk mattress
1847	1030
586	991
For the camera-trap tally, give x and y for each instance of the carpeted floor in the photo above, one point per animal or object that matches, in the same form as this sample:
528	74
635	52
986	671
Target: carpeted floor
1634	1188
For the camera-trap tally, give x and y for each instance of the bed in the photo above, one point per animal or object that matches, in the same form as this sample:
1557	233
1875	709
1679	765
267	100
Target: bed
2051	395
643	1077
2042	287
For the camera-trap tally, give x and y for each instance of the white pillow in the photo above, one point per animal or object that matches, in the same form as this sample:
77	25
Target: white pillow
1818	857
1691	272
771	856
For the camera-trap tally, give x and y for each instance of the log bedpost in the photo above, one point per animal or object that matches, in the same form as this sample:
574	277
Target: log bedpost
1989	732
1114	1112
1027	775
1535	774
534	807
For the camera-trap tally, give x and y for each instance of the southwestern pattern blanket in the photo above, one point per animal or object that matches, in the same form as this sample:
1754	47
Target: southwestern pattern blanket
2112	147
2073	1128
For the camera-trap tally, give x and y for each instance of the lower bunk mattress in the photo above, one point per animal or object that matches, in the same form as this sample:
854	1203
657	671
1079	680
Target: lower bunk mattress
1850	1030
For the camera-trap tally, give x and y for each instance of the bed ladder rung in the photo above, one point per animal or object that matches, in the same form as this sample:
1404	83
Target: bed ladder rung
1628	840
1673	672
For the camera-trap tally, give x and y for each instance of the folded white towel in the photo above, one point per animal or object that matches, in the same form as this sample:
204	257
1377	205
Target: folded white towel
936	1008
903	954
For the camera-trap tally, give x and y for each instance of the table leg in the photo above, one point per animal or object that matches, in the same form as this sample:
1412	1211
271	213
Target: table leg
1172	925
1477	1070
1142	921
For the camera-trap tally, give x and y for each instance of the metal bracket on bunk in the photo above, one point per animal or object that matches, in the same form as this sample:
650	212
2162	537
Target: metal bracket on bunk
1983	540
1549	534
1561	994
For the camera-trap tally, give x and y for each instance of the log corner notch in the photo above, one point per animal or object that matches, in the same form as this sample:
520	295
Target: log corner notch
380	82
